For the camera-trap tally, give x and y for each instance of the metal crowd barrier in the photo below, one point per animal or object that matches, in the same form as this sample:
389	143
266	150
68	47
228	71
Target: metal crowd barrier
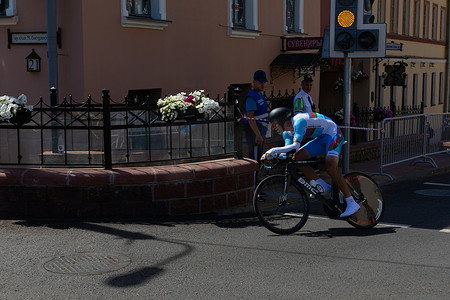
438	138
404	139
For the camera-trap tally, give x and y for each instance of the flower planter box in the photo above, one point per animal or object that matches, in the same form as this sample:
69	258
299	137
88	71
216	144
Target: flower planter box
22	117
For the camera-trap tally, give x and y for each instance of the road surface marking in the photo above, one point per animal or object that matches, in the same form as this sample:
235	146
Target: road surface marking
379	224
436	183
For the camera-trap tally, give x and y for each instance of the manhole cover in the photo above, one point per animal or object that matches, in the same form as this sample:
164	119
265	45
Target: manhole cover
434	192
86	263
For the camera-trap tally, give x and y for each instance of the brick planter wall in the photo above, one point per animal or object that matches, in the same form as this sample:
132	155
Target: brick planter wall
193	188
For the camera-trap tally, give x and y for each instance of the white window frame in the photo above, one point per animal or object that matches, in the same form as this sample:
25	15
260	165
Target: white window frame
299	27
441	87
157	21
251	21
11	17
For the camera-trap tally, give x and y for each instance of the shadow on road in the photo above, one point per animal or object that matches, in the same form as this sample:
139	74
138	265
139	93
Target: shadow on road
341	232
137	277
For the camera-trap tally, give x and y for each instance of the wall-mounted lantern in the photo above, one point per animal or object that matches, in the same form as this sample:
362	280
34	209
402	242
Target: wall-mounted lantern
33	62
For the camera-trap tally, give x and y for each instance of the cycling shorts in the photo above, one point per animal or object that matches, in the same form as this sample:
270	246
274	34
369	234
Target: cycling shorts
325	144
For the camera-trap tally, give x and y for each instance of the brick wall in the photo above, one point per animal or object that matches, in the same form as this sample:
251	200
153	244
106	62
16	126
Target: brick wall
193	188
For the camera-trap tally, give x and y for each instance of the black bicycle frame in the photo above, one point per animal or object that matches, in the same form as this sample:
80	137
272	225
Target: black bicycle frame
290	171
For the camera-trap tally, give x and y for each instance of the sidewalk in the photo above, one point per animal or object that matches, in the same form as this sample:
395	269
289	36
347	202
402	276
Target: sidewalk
402	171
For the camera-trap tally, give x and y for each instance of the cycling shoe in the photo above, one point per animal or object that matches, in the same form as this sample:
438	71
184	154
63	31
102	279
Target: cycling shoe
352	207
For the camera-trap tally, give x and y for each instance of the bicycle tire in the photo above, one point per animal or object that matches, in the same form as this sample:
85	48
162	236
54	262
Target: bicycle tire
372	204
286	218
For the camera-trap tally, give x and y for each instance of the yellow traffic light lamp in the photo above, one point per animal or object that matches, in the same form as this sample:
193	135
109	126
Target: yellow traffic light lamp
346	18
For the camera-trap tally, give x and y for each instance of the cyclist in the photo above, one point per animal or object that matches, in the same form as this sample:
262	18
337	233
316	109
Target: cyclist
327	139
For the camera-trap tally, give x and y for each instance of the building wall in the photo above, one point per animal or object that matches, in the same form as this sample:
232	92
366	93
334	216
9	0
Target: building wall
194	51
422	54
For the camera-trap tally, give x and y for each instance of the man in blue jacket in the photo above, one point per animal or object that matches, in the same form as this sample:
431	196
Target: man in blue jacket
256	112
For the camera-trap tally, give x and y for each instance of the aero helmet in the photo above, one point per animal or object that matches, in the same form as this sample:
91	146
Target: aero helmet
280	114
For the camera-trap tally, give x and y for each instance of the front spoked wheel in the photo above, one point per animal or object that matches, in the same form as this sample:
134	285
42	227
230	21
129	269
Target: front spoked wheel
369	197
281	207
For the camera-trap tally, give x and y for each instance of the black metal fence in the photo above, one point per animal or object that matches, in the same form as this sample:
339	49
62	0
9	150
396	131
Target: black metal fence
107	133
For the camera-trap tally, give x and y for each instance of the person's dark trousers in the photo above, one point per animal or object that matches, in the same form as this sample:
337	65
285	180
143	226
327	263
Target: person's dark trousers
254	151
250	137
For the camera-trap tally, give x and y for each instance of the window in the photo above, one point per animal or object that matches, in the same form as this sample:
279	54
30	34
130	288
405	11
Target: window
441	87
394	17
415	86
405	93
149	14
139	8
424	89
406	17
416	20
426	19
3	6
434	22
8	14
393	96
294	16
443	23
238	8
290	13
433	88
380	91
381	11
243	18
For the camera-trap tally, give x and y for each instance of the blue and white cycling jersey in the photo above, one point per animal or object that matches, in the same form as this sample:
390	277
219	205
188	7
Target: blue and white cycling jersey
326	135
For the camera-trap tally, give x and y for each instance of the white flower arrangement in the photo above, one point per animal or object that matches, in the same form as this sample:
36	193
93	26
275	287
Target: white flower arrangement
10	106
172	105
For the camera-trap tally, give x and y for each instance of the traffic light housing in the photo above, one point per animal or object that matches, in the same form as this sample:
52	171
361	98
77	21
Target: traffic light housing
395	74
352	30
368	17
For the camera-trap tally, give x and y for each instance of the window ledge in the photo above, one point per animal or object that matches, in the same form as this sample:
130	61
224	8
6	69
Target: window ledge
244	33
9	20
137	22
295	34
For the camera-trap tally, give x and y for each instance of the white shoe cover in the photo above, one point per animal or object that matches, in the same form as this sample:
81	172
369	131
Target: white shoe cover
352	207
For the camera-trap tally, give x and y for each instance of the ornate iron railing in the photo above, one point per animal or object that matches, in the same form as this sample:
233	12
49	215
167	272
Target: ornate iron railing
107	133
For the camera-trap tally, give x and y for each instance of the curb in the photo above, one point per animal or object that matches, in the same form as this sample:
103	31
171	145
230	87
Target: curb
417	175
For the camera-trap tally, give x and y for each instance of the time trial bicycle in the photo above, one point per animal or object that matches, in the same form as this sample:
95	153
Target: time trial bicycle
282	205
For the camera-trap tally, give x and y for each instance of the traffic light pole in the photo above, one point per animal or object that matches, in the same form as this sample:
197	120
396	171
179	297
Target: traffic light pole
347	107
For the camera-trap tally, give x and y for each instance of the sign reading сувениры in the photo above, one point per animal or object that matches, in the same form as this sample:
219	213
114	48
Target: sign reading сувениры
304	43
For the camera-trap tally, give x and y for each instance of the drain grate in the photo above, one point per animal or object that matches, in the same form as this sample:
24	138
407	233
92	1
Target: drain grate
86	263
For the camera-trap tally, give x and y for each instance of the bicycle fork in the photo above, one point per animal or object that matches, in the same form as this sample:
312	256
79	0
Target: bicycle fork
283	197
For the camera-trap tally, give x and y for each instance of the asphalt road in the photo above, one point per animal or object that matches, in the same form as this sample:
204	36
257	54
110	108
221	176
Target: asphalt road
234	257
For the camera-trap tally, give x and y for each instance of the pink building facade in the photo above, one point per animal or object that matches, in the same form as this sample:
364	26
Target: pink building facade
153	47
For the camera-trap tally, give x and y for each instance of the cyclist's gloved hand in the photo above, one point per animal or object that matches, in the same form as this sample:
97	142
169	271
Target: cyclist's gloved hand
267	156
